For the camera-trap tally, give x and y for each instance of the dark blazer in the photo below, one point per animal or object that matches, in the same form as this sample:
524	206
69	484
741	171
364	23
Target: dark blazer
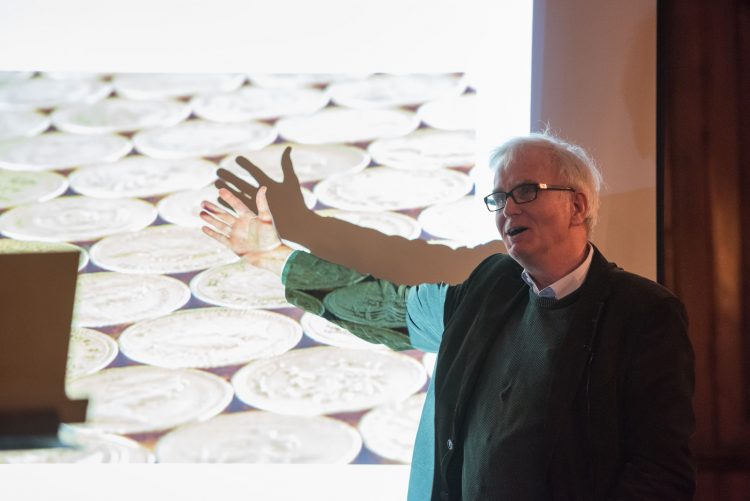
620	413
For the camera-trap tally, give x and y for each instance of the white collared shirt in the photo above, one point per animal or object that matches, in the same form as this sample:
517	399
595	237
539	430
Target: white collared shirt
567	284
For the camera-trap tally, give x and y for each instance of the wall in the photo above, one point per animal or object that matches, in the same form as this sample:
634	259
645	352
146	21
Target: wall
595	85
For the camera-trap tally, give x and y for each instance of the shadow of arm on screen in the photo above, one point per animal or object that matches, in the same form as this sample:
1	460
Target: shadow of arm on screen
392	258
396	259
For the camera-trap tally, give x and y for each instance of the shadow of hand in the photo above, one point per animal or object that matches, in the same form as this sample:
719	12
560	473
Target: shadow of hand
284	198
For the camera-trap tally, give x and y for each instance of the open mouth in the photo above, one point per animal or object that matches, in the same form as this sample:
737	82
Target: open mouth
516	230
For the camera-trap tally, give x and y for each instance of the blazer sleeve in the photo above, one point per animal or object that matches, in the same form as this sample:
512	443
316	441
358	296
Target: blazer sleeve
659	419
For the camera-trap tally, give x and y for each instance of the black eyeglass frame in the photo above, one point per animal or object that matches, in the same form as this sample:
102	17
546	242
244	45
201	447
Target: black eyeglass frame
537	188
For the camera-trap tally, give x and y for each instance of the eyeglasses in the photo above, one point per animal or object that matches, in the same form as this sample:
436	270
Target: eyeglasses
521	194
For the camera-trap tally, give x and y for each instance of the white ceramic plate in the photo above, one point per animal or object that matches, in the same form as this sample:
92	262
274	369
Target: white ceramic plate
89	351
255	103
325	380
61	150
160	249
390	430
311	162
138	176
15	124
199	138
141	399
74	219
19	188
119	115
239	285
110	298
425	149
261	437
382	188
342	125
162	85
41	93
209	337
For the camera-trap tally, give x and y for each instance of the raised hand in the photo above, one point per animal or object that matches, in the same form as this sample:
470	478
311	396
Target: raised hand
285	197
248	235
392	258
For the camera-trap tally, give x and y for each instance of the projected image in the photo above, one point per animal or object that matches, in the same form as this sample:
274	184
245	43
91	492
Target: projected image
187	353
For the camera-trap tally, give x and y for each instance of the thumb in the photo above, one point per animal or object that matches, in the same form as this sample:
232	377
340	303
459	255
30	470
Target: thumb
264	211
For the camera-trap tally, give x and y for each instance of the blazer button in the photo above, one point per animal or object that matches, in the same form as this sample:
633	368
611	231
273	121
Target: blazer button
444	495
449	443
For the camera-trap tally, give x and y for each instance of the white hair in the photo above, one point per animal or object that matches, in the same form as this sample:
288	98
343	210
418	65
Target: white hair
575	165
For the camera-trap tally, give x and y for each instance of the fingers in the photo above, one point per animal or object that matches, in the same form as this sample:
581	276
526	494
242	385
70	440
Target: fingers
220	221
216	211
221	184
215	225
242	185
238	202
254	171
222	202
219	237
240	188
287	168
218	218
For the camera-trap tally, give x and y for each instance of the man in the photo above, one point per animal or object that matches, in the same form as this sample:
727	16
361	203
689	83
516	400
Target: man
559	376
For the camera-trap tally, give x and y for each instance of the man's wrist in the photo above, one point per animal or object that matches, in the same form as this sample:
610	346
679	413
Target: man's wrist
273	260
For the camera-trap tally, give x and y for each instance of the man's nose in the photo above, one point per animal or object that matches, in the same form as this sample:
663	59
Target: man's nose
511	207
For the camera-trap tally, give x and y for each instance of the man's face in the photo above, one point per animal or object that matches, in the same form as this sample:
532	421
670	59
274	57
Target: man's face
531	231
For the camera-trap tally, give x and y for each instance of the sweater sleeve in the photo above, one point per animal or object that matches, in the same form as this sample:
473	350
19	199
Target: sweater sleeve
424	315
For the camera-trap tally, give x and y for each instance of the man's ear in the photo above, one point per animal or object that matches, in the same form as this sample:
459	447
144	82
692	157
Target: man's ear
579	208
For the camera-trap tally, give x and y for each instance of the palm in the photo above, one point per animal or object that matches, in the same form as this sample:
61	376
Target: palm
249	234
244	233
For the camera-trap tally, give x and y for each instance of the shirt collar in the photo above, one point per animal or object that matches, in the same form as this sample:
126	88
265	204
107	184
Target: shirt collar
567	284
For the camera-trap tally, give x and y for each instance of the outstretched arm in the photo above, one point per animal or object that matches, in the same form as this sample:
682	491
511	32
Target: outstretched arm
391	258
